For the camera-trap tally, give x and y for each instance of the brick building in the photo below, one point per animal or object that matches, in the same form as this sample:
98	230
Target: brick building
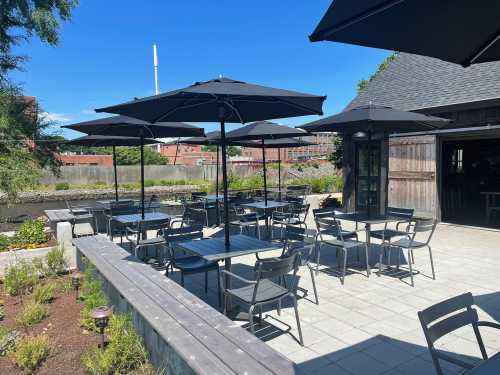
68	159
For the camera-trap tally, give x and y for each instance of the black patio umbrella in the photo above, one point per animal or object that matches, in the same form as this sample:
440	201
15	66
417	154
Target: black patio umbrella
374	119
131	127
279	144
221	100
110	141
460	31
262	131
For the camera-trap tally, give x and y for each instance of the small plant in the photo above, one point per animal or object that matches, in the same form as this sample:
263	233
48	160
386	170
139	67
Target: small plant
2	310
31	351
330	202
5	242
31	313
39	267
32	234
64	285
149	183
56	264
7	340
62	186
20	278
92	295
44	293
125	352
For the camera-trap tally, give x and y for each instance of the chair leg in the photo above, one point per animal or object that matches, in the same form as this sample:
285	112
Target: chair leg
260	315
344	267
411	267
368	271
380	258
206	283
432	263
278	310
182	278
298	320
412	258
218	288
314	284
250	319
318	251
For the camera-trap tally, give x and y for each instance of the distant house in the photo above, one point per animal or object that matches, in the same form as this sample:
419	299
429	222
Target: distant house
444	174
73	159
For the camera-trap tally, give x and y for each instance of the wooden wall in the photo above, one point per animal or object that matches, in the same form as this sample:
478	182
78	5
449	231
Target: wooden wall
412	181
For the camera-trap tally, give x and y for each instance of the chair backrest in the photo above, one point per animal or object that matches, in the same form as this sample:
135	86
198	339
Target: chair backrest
127	210
326	223
197	195
276	267
158	224
186	233
403	213
300	209
301	241
448	316
424	227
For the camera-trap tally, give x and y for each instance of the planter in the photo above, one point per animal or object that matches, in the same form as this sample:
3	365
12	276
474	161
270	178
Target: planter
9	257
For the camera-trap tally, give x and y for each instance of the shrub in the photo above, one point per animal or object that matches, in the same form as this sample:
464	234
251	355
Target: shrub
330	202
31	234
7	340
39	267
56	264
5	242
124	353
31	351
44	293
20	278
149	183
62	186
31	313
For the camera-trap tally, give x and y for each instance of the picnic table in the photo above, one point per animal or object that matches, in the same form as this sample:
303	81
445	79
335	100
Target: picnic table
214	249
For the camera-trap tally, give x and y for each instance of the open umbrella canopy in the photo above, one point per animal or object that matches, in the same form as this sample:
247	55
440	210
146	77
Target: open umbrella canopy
275	143
211	138
375	118
132	127
106	141
460	31
239	101
262	130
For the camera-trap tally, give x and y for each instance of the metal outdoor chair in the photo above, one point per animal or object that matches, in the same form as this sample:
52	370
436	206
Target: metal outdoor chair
114	227
76	210
83	225
409	243
262	291
437	322
295	215
140	240
246	220
188	264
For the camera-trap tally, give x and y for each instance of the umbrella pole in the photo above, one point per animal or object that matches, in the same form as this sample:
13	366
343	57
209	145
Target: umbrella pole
265	184
217	187
224	177
116	176
279	173
368	200
142	177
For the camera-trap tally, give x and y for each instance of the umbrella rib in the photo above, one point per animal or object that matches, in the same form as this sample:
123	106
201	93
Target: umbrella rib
182	106
356	18
485	47
235	110
313	112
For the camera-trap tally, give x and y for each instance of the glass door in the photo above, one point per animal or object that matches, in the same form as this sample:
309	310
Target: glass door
363	181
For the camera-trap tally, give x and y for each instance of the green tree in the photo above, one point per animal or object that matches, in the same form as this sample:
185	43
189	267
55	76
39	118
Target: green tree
363	83
230	150
21	19
336	156
132	156
25	147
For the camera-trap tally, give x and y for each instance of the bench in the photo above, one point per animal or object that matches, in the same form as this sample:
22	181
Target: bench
182	333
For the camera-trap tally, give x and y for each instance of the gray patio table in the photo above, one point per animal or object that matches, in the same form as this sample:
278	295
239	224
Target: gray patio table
131	219
368	221
271	205
214	249
488	367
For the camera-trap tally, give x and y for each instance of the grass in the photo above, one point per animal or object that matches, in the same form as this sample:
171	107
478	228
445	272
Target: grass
124	353
31	351
44	293
92	295
31	313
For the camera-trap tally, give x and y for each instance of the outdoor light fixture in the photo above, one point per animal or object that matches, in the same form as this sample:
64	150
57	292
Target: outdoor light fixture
101	317
360	135
76	280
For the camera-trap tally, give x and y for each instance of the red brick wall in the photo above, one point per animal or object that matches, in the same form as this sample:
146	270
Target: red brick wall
86	159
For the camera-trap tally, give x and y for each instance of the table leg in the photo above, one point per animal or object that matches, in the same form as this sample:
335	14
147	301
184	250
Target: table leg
227	284
487	196
368	245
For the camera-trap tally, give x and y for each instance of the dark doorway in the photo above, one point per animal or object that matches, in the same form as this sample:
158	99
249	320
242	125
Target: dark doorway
470	169
362	179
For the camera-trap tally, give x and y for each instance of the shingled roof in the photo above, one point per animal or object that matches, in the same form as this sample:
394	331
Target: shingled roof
419	83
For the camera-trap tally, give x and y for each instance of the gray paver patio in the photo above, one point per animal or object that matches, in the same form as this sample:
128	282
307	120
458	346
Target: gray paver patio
370	325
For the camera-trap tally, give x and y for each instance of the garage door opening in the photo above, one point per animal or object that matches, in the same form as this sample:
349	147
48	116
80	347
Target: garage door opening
470	177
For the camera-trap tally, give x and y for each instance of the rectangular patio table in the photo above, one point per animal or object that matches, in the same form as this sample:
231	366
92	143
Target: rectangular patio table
214	249
271	205
488	367
134	218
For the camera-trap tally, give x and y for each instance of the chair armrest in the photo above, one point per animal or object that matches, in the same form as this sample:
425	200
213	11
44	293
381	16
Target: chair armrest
488	324
230	274
453	360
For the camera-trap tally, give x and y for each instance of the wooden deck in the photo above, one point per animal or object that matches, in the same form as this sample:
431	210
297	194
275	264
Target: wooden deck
187	335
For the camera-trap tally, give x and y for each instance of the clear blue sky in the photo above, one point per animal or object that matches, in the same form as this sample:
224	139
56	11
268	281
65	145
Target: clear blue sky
105	54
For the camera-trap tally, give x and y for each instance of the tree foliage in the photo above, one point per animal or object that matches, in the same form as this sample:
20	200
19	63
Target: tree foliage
230	150
22	19
132	156
363	83
336	156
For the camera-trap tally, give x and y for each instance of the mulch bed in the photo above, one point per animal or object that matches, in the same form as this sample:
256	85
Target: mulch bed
69	340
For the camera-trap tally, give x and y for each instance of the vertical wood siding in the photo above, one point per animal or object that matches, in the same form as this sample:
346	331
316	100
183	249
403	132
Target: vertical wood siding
412	174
